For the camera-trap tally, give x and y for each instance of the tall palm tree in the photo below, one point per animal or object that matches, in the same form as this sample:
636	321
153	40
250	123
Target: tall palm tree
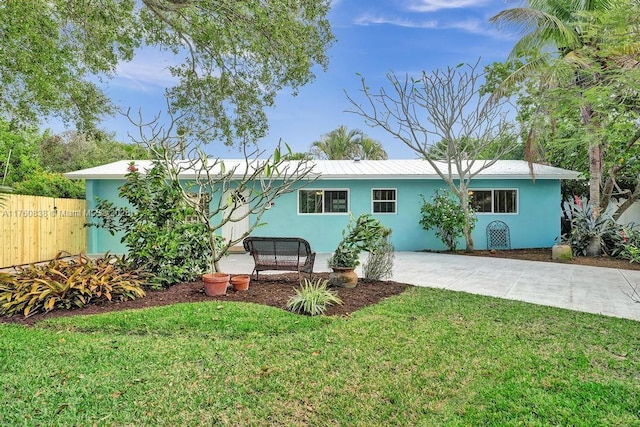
344	144
552	38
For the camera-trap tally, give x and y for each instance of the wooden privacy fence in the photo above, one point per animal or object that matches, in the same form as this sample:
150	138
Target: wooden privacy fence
36	228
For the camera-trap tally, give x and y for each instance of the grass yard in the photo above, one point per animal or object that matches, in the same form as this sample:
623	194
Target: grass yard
425	357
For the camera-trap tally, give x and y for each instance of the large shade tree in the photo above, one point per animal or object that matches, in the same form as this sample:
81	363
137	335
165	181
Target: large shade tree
231	57
344	144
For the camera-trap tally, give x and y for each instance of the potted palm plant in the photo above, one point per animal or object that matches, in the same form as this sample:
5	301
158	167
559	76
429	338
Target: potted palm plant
363	234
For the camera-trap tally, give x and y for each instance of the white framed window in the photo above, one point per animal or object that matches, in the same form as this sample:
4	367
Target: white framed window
321	201
384	200
494	201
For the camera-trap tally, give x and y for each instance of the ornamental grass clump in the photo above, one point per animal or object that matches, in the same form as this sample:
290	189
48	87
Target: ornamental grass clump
68	283
313	298
379	263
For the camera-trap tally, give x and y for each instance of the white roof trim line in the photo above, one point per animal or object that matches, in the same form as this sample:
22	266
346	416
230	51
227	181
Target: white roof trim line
361	170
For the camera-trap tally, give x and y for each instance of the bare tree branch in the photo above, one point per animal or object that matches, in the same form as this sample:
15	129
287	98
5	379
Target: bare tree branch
444	119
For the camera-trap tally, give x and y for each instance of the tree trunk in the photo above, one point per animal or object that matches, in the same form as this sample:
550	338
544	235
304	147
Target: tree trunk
464	202
595	174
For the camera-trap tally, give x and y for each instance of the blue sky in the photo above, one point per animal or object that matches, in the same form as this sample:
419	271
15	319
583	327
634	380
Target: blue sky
374	37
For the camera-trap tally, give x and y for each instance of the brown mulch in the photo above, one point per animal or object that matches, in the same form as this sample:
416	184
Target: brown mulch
275	290
544	255
272	290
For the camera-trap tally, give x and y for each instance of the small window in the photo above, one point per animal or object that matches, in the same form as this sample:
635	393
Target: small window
494	201
384	200
481	201
323	201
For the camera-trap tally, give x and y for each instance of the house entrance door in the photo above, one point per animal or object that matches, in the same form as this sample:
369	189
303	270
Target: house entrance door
239	223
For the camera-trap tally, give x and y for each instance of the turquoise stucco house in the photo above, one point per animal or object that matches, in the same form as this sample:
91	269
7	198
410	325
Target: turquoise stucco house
389	190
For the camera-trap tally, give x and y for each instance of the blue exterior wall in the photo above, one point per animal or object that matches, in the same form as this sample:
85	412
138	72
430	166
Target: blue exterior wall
537	223
100	240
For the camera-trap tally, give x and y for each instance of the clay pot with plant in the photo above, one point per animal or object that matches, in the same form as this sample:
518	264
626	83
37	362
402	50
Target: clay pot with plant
363	234
216	283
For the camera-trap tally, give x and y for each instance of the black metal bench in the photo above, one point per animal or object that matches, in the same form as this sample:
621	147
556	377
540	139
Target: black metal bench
280	253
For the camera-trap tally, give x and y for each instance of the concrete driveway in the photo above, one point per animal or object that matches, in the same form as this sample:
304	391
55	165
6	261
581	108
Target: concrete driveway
575	287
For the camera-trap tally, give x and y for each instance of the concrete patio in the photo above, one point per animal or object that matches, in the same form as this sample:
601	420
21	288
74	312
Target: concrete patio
575	287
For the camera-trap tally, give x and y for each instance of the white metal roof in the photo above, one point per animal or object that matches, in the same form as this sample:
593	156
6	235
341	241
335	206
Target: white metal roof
357	169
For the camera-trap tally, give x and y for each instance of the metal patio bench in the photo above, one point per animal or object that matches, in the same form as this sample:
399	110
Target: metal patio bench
280	253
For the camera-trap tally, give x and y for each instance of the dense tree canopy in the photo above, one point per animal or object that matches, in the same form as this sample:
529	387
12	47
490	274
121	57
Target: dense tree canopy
233	57
33	163
577	65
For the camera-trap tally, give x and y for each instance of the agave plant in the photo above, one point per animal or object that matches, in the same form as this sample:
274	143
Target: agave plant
589	227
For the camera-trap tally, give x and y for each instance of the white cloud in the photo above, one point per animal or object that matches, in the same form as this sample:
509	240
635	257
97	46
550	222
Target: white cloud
399	22
435	5
472	26
148	71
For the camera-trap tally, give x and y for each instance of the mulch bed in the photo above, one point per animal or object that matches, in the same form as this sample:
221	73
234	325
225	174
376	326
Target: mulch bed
272	290
544	255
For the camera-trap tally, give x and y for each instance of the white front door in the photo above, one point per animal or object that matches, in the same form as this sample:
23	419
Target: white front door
238	225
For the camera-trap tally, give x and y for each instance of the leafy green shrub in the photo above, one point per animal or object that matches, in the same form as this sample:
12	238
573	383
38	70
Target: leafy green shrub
313	298
445	215
71	283
631	252
158	231
363	234
379	263
50	184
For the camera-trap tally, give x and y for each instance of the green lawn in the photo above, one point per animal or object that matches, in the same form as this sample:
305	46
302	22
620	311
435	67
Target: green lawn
426	357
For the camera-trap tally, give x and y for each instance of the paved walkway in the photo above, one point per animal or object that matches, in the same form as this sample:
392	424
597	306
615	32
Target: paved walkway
575	287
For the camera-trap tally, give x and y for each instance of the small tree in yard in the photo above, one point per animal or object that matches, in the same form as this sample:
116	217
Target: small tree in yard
160	238
445	216
444	118
219	192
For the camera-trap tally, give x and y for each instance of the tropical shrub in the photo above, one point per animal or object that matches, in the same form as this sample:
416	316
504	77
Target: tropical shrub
379	263
68	283
445	215
313	298
362	234
588	225
159	232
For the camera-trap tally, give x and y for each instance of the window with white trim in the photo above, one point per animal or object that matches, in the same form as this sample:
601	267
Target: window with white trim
494	201
384	200
323	201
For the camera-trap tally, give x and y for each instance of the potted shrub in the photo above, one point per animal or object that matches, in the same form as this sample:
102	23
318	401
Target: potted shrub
363	234
215	283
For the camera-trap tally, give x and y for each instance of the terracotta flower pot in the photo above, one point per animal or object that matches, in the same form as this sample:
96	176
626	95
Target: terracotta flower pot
343	277
215	283
240	282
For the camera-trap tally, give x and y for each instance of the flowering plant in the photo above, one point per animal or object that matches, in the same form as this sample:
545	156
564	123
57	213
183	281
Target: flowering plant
445	215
